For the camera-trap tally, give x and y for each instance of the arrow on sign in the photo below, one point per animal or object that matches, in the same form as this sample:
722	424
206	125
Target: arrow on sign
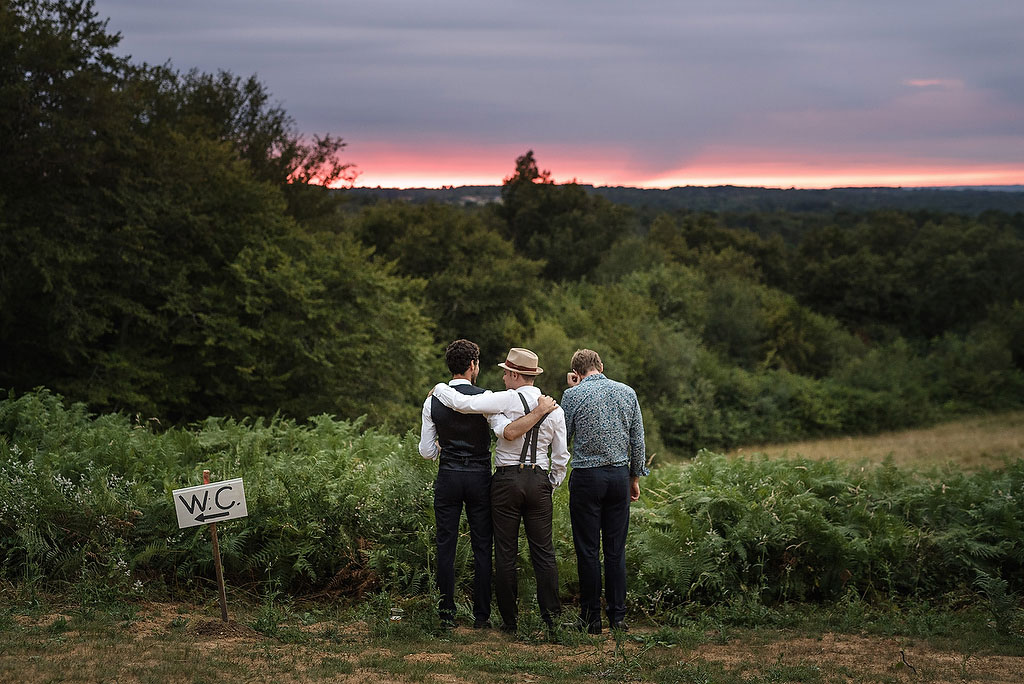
203	517
210	503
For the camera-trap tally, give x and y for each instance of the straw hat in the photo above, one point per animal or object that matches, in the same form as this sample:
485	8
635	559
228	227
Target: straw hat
522	361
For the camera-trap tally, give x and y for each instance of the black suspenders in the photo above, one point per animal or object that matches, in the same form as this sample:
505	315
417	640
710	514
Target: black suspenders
530	440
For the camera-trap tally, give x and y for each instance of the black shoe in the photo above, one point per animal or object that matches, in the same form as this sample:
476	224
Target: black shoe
447	624
482	624
509	629
620	626
594	629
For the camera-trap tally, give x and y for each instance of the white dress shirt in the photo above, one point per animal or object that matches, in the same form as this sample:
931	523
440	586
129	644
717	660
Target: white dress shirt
428	431
501	408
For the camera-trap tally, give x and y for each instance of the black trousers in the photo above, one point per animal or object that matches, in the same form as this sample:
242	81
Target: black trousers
452	490
523	496
599	512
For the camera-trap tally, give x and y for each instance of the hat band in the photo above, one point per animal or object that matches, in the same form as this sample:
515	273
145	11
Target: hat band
517	367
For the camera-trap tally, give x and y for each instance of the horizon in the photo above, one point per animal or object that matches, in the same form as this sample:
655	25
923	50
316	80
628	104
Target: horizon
489	167
993	187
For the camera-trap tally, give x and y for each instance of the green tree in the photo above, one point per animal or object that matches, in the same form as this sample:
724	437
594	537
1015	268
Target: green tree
562	224
477	285
148	258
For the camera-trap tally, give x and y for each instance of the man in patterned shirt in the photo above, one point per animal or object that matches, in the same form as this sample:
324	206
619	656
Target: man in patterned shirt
603	421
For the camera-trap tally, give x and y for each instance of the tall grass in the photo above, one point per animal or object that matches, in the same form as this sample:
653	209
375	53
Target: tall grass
85	502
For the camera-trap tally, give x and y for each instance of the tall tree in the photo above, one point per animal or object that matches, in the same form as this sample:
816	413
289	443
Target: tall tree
148	258
562	224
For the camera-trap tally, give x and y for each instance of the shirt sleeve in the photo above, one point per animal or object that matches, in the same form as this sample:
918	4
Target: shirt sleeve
498	421
559	449
428	434
637	449
486	403
568	405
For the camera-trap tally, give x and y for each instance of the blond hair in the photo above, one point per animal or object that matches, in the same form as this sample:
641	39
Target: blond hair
586	360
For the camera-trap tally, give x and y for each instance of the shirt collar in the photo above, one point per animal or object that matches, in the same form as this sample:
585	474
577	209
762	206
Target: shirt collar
595	376
458	381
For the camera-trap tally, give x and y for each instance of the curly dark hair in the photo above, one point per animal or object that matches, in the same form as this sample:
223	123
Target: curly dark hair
460	354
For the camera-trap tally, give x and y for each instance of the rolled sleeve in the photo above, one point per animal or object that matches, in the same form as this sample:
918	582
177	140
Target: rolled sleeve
428	434
559	449
498	423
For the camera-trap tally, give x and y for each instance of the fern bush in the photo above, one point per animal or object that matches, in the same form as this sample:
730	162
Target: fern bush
720	529
331	505
85	501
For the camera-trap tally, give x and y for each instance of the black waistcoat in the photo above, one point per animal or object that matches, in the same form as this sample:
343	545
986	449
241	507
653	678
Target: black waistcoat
465	439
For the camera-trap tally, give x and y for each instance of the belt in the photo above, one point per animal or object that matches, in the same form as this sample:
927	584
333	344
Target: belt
515	468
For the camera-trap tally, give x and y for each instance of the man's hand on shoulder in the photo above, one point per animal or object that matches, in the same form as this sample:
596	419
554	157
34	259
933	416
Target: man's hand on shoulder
547	404
434	390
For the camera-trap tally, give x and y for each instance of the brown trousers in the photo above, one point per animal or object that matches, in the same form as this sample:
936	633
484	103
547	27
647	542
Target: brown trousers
523	495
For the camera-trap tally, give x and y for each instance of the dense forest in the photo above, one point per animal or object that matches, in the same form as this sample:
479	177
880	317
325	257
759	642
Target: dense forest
168	248
731	200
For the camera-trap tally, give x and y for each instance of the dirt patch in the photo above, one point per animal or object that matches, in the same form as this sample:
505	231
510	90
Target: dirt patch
434	658
221	629
875	657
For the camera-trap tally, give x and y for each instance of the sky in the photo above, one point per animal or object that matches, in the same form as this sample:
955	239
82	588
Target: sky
643	93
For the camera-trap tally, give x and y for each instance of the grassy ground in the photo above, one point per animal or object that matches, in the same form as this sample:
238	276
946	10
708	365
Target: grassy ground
180	642
972	443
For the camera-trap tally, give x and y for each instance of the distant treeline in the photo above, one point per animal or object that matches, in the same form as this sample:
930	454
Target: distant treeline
167	249
732	199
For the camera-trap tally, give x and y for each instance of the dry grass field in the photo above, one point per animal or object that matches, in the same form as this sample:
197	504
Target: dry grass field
972	443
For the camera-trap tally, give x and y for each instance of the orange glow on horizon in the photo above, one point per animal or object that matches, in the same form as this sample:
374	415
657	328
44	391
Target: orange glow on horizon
813	178
397	167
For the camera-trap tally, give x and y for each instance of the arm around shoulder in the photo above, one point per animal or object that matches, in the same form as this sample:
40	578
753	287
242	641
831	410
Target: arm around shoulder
520	426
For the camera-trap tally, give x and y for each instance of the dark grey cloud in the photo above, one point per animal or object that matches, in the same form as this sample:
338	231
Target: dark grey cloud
662	80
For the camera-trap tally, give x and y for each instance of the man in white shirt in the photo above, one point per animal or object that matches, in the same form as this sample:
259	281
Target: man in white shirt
522	483
461	444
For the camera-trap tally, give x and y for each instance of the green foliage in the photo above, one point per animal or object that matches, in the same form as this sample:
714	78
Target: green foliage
90	499
561	224
922	274
154	256
333	507
168	249
476	282
769	531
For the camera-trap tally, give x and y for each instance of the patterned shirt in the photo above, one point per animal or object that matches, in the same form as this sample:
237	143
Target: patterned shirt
602	418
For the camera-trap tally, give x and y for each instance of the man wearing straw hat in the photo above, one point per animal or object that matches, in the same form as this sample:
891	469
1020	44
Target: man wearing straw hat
462	446
527	468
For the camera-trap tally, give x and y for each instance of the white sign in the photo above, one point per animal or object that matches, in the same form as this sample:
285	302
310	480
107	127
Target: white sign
210	503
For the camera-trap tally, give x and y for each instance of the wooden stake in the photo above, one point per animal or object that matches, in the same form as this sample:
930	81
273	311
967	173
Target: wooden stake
216	562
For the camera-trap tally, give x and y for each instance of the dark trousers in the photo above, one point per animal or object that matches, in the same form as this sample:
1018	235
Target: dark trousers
523	495
599	512
452	489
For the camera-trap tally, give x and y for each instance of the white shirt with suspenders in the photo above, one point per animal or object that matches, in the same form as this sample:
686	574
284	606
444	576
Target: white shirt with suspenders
501	408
